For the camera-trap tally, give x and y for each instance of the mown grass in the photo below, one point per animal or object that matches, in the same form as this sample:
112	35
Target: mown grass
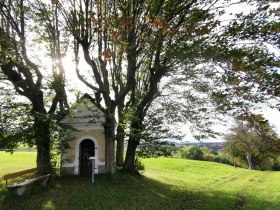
167	184
17	161
217	186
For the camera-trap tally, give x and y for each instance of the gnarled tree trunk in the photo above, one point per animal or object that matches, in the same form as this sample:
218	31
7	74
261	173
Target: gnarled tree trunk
42	134
41	126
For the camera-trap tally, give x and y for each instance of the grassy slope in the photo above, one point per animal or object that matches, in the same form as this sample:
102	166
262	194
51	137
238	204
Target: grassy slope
167	184
217	186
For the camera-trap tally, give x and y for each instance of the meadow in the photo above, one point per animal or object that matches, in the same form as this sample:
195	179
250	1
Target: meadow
166	183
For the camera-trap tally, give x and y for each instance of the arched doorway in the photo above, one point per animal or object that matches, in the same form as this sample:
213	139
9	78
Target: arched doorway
87	148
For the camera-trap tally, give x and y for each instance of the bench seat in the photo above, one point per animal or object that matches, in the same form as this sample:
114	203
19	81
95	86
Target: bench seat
29	181
20	187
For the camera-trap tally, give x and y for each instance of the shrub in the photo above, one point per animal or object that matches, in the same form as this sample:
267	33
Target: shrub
209	157
139	166
208	150
266	164
195	153
190	152
276	165
156	149
203	153
222	158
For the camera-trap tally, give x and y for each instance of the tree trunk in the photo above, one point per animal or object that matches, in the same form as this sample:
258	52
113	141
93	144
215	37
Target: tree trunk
120	138
110	144
41	128
133	142
129	163
42	134
120	145
250	162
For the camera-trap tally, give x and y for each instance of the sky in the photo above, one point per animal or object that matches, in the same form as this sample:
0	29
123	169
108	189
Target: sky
273	115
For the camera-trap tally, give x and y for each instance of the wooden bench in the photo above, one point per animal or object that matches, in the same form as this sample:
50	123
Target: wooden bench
21	186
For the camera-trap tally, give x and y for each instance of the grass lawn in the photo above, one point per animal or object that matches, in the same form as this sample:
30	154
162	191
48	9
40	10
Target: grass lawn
17	161
167	184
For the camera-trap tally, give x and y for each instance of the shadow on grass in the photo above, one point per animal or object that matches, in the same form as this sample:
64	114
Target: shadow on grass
122	191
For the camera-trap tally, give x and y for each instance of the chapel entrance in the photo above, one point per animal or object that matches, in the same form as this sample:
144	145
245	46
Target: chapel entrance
86	151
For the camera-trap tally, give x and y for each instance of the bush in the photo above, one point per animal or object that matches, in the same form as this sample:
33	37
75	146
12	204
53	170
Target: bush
190	152
202	153
156	149
195	153
209	157
208	150
139	166
276	165
222	158
266	164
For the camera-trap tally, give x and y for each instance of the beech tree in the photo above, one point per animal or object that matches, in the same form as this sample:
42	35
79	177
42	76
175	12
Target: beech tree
130	46
25	27
243	69
116	38
105	32
246	57
252	139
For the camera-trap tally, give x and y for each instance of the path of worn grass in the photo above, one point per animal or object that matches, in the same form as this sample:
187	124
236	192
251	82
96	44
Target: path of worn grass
167	184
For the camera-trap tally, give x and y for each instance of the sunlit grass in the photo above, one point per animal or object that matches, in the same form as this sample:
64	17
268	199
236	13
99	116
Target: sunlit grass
166	184
222	183
16	162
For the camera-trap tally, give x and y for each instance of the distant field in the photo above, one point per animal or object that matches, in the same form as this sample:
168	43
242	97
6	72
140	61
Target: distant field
17	161
167	184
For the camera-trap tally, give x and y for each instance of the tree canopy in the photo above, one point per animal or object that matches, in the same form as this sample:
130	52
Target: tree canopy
252	140
130	47
24	29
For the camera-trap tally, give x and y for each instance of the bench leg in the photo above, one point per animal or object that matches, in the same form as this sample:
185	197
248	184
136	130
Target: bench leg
20	190
44	182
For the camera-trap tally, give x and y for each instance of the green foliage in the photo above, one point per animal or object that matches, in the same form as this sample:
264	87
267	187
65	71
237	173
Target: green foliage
208	150
157	124
194	153
203	153
222	158
130	47
139	166
31	42
209	157
266	164
156	149
253	138
15	123
276	165
190	152
16	128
